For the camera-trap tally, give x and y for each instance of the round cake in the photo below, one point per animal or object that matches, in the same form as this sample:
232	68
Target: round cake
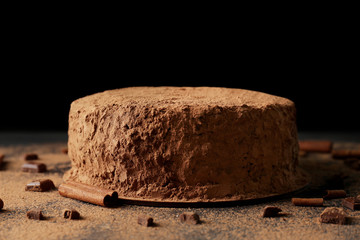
185	144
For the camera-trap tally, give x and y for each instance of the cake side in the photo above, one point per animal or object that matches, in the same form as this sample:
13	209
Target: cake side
190	151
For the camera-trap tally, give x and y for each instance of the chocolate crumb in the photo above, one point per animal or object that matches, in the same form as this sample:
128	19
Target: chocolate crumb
71	214
302	153
333	215
145	220
271	211
31	156
40	185
64	150
35	214
189	218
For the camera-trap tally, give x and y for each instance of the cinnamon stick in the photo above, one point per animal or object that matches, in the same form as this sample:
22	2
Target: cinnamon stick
345	153
323	146
334	194
307	201
88	193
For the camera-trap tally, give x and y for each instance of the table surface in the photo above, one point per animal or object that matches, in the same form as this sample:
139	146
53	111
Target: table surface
236	222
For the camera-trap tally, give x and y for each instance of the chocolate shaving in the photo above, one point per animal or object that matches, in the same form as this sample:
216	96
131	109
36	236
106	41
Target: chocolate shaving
335	194
271	211
71	214
333	215
40	185
35	214
145	220
189	218
33	167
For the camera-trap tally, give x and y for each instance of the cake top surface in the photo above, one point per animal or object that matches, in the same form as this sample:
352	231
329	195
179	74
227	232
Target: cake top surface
180	96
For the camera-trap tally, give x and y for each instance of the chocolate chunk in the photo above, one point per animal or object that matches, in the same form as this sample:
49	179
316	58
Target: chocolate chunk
40	185
145	220
2	156
31	156
335	194
33	167
35	214
1	204
271	211
189	218
352	203
333	215
71	214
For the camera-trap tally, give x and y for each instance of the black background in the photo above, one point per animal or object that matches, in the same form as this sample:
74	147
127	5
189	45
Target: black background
48	64
44	106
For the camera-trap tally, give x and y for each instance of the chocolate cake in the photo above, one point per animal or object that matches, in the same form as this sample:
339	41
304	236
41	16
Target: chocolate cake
185	144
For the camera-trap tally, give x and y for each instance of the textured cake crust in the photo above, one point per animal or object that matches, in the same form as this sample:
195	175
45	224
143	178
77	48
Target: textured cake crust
185	144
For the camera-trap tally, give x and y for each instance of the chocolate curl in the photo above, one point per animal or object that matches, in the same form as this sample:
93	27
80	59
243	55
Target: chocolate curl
345	153
87	193
307	201
316	146
334	194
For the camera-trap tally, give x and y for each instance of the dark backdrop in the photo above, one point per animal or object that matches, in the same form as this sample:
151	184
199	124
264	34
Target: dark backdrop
48	64
43	105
